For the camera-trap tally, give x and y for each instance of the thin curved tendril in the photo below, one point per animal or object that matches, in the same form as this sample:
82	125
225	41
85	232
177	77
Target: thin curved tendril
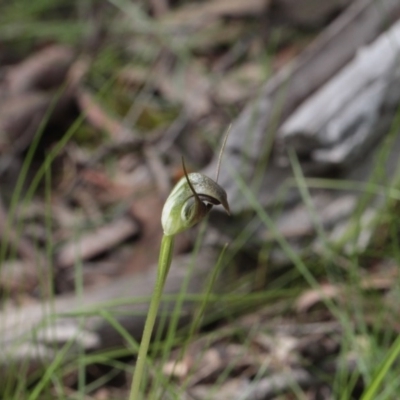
188	181
228	131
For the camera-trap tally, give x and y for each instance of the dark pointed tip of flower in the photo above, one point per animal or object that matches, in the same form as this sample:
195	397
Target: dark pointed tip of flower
226	206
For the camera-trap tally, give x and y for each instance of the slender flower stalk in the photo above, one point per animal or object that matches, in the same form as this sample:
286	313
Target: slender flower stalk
164	262
189	202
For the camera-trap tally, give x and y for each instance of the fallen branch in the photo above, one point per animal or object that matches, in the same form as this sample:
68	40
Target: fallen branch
357	26
31	334
343	118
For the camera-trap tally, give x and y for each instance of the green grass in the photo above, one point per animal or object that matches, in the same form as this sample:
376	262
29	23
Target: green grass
363	317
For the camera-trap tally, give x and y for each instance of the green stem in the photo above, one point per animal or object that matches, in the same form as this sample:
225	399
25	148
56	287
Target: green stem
164	263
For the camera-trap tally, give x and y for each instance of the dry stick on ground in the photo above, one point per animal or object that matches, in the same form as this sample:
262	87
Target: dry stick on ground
123	138
17	323
22	112
43	70
96	242
100	119
262	389
343	118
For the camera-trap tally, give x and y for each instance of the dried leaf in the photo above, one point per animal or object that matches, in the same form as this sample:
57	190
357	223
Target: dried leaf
95	242
313	296
43	70
100	119
195	14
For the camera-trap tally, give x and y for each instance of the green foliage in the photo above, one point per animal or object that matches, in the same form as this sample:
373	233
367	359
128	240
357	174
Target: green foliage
24	20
